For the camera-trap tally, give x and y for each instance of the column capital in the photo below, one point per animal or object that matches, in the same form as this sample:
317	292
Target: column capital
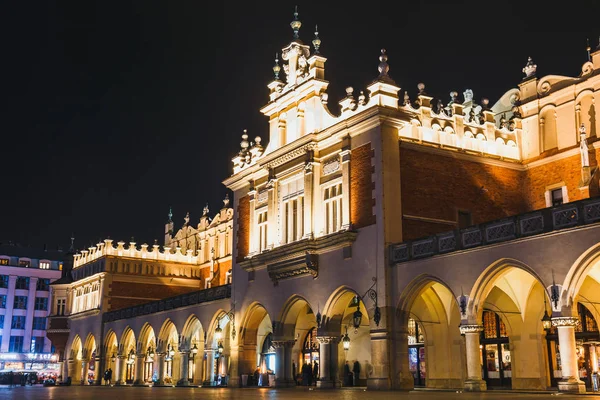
561	322
473	328
328	339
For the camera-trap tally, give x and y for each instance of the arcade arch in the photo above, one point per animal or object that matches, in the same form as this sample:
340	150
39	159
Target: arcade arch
431	349
193	337
88	361
126	358
111	348
144	366
256	328
74	363
169	356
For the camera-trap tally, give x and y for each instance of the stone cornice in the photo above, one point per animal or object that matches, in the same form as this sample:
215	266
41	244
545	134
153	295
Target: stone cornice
85	314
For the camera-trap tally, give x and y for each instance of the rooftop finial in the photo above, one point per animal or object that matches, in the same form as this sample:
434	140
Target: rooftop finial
588	49
187	218
205	210
226	201
170	214
244	143
383	65
530	68
72	248
276	67
296	24
316	41
598	47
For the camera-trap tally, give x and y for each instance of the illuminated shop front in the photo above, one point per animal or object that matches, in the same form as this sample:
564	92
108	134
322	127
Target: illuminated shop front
26	362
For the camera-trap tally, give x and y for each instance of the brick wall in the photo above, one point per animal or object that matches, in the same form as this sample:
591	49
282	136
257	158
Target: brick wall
361	187
243	228
126	294
567	170
436	187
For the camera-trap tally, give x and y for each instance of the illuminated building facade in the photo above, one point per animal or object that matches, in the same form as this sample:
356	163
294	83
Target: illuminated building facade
25	300
439	244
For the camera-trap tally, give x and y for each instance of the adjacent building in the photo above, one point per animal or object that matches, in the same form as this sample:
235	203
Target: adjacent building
25	301
440	243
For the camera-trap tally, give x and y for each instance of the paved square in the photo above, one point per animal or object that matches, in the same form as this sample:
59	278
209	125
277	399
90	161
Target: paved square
141	393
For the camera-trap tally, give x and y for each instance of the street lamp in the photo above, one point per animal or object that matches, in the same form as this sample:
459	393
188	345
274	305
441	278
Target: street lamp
546	320
193	352
357	317
346	341
220	348
113	358
218	331
171	351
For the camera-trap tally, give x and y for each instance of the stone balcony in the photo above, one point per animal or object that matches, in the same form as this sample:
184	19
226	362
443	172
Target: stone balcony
570	215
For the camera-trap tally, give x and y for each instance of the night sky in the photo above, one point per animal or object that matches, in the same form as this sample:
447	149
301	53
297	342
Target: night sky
114	111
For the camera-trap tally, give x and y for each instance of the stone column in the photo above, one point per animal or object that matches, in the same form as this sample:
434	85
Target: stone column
308	194
279	362
542	138
121	370
210	367
380	360
70	369
84	372
288	371
101	293
160	370
97	370
345	159
593	356
474	381
328	361
183	369
234	373
568	357
333	361
139	369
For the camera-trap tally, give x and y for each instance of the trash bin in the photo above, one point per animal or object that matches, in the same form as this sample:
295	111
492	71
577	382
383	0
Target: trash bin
595	381
244	380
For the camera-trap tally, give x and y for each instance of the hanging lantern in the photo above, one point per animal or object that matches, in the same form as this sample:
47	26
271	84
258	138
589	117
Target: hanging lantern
218	332
113	358
357	317
194	349
346	341
220	348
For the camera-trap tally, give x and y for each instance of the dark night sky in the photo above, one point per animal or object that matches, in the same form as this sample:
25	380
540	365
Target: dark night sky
114	110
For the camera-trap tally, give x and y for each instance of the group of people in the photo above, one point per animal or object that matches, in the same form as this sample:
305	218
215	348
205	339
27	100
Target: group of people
108	376
308	373
351	376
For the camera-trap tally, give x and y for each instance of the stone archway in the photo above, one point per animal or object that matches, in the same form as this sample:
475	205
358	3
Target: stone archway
89	366
220	366
507	303
145	356
111	349
339	325
74	362
168	355
256	328
296	343
192	360
430	351
125	373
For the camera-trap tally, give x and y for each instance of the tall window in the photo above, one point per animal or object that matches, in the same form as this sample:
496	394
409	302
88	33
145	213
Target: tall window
20	303
557	197
262	230
22	283
3	281
61	305
292	206
43	285
332	200
1	322
39	323
2	301
16	344
41	303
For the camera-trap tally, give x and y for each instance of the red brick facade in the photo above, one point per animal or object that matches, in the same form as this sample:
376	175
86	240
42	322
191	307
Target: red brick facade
436	187
361	187
243	228
127	294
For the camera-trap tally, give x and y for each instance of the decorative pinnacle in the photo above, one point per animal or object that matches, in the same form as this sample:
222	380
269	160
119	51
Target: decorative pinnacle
530	68
316	41
383	65
582	129
421	87
588	49
170	214
276	67
296	24
205	210
244	143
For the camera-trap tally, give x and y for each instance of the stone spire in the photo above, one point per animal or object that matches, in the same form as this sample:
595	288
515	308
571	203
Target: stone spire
296	24
384	68
529	69
316	41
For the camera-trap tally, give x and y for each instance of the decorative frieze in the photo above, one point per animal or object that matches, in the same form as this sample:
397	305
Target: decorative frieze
331	166
565	321
464	329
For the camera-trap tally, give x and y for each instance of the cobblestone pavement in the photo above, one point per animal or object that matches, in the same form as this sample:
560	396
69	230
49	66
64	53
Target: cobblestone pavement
142	393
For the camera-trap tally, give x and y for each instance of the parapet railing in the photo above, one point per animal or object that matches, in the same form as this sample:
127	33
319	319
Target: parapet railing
550	219
182	300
